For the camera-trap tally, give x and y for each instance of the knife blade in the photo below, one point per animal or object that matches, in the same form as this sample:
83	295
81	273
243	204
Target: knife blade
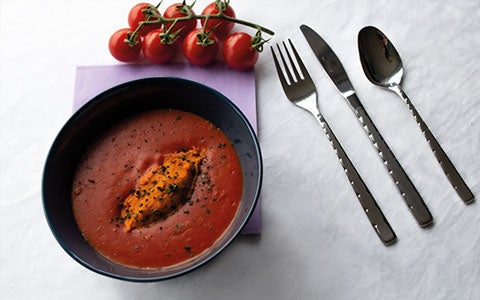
334	68
331	64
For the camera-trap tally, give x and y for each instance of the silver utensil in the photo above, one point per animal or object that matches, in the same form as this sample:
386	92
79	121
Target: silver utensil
337	74
383	67
302	92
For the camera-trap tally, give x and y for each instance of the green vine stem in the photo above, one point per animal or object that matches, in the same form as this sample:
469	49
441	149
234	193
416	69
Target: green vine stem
154	17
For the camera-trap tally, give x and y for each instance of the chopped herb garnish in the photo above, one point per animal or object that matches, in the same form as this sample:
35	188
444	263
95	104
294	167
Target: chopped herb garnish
172	187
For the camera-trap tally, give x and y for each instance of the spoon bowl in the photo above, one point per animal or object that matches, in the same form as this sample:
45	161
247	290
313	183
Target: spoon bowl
383	66
380	60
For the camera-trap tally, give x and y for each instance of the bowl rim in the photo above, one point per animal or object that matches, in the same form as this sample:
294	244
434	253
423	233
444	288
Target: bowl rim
95	100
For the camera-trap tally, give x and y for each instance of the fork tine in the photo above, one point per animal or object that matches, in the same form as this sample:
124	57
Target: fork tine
285	65
299	61
292	64
279	70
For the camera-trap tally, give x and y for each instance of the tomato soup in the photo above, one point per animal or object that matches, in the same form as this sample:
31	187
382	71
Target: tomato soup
157	189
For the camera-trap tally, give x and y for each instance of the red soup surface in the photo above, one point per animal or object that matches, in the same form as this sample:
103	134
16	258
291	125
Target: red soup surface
140	200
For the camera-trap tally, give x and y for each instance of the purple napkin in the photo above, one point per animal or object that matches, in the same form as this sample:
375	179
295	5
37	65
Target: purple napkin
239	87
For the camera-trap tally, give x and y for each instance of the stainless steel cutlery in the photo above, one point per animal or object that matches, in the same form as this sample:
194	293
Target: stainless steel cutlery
382	66
337	74
303	93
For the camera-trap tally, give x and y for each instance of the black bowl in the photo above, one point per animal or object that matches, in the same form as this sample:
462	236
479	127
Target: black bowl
120	102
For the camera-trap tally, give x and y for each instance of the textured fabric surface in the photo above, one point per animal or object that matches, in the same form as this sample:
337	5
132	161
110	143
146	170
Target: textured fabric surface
316	242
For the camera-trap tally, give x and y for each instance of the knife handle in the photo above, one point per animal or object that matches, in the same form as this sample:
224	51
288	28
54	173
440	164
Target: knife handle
447	166
369	205
404	184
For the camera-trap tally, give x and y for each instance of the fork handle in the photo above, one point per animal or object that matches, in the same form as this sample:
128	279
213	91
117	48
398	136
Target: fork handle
407	189
369	205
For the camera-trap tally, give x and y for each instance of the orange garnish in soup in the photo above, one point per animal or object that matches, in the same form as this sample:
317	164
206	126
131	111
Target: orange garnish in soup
162	189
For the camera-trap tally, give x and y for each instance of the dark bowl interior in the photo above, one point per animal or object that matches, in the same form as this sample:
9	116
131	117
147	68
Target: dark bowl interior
120	102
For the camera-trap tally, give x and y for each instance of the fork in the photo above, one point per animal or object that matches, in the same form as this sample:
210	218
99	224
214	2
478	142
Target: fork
303	93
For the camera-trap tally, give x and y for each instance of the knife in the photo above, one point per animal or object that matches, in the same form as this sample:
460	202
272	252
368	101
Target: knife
337	74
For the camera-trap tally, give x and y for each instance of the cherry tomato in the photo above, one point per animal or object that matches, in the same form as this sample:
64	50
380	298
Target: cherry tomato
198	52
155	51
224	27
136	15
176	11
121	50
238	52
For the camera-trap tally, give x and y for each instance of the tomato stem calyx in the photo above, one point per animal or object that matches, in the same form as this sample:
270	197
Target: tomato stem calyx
131	39
204	37
222	5
169	38
187	9
258	41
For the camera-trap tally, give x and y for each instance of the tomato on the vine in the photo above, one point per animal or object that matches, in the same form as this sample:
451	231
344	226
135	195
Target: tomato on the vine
200	48
222	27
157	51
137	15
177	10
122	50
238	52
159	36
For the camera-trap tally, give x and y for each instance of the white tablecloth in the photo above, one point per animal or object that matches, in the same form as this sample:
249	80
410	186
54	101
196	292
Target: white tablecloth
316	242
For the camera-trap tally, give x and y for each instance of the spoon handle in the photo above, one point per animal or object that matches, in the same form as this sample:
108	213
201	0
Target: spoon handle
404	184
447	166
369	205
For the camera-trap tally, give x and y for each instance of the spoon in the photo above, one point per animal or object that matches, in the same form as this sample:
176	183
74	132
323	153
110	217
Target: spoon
383	67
